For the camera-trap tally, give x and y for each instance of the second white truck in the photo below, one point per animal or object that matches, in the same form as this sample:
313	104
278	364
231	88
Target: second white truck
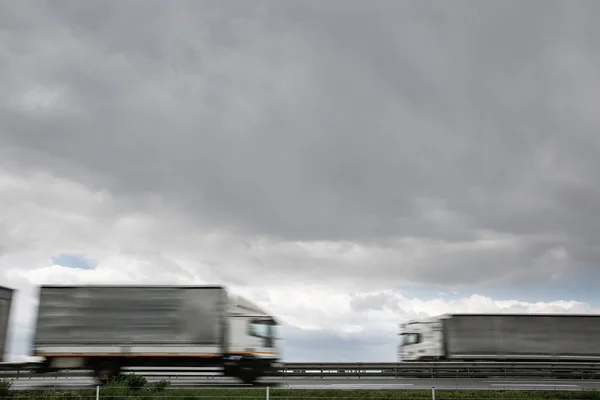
501	337
107	328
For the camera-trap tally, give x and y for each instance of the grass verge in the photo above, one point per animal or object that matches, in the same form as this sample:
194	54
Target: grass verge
134	387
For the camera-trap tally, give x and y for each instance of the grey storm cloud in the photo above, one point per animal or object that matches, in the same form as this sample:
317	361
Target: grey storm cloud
339	120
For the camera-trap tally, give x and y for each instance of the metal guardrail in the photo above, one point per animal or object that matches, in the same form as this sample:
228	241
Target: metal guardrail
445	370
360	370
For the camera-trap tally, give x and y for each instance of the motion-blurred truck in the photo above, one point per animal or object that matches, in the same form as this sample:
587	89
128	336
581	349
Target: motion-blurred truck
501	337
6	296
108	328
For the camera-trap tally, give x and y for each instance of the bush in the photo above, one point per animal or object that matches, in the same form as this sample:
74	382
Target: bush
134	382
5	389
160	385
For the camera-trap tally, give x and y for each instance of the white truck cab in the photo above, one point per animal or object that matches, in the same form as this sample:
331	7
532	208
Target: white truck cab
252	338
421	340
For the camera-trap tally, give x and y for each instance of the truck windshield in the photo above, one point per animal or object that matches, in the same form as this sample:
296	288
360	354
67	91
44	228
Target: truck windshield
410	338
263	328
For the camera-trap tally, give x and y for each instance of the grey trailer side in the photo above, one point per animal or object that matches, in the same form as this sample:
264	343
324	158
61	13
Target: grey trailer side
6	297
109	327
551	337
131	320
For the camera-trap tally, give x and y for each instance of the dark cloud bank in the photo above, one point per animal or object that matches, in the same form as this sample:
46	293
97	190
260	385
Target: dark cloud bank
360	121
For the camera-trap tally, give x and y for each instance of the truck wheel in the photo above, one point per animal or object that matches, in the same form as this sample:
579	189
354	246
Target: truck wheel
107	371
248	373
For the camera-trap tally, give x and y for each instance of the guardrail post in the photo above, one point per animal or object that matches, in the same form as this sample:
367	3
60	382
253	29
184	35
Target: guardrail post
98	392
433	393
267	393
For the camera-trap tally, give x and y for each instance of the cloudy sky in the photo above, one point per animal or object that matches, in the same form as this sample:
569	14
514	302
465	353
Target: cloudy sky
345	164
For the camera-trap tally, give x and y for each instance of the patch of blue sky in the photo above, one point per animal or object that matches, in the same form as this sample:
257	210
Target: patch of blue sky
73	261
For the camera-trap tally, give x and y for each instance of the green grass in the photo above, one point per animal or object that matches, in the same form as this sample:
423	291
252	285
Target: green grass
136	388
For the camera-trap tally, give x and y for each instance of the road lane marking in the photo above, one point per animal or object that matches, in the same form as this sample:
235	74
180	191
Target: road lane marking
532	384
349	385
540	381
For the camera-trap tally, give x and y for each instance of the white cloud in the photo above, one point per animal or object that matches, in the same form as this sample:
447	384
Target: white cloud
49	215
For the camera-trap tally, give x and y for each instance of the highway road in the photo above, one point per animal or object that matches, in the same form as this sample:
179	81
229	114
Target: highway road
332	383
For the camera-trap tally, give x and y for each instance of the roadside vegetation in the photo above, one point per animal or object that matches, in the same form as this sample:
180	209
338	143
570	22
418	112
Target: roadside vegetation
135	387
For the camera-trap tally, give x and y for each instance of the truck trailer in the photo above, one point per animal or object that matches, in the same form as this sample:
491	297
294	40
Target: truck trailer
108	328
6	296
501	337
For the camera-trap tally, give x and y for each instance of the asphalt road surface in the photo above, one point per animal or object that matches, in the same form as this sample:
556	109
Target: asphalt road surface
331	383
